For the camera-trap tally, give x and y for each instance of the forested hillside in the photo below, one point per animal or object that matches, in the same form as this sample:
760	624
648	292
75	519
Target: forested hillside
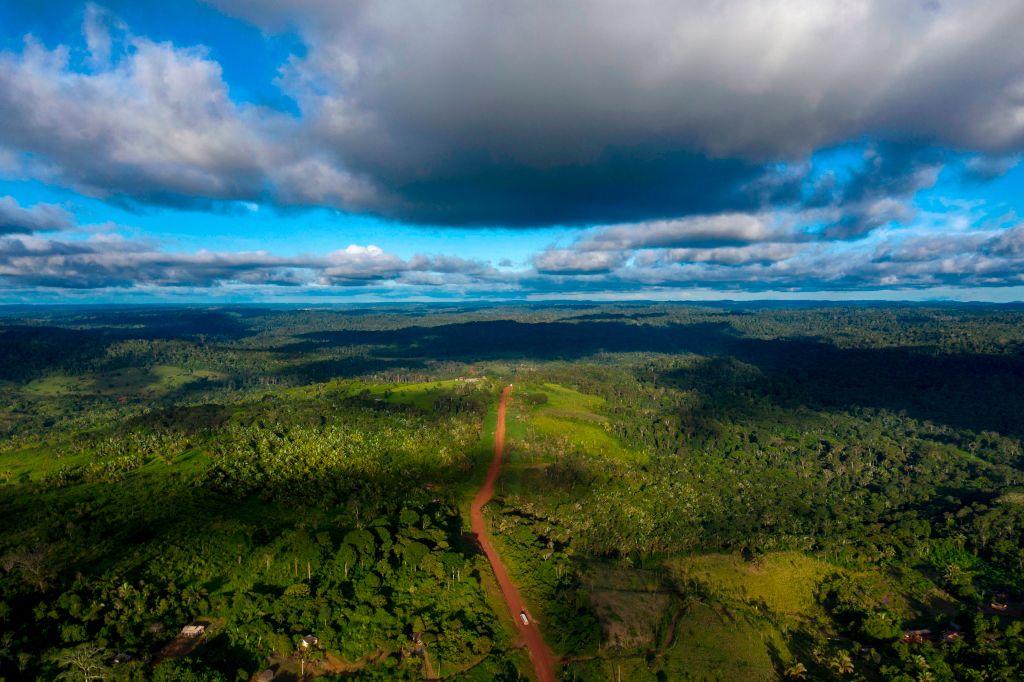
733	492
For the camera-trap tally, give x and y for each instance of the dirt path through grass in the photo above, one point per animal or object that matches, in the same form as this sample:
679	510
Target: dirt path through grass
540	654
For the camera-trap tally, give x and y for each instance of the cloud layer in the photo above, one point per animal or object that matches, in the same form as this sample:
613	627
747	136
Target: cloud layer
525	113
41	217
759	145
901	258
576	112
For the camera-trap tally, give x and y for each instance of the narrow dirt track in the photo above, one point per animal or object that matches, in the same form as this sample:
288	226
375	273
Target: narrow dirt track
540	654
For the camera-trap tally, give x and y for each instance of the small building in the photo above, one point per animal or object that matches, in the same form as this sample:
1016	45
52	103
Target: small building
952	636
122	658
265	676
309	641
915	636
193	630
998	606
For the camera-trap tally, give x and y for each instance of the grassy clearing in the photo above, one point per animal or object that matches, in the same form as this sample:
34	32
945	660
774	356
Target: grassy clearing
130	381
715	644
35	463
1011	498
421	395
786	584
565	413
784	581
484	453
56	385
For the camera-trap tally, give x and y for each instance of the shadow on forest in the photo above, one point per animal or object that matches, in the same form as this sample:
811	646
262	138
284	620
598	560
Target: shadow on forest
28	349
974	391
324	370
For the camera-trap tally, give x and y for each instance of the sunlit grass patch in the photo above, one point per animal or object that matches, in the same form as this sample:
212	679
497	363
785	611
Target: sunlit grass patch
783	581
1011	498
56	385
561	412
129	381
715	644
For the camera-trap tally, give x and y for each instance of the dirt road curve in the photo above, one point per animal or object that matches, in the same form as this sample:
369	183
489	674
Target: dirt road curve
540	654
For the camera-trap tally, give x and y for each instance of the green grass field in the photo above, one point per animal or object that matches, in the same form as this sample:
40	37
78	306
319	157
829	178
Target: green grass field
158	381
712	643
784	581
575	416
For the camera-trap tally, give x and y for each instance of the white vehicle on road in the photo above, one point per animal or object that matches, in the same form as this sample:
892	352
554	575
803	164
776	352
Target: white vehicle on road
523	617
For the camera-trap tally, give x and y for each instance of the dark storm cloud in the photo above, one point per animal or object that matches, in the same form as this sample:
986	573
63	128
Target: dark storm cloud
468	189
876	192
574	112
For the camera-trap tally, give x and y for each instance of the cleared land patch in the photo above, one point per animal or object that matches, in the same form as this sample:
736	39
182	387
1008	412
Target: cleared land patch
715	644
565	413
784	581
156	381
629	619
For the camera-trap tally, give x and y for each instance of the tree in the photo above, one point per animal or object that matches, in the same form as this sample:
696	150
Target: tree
84	662
33	564
842	663
797	671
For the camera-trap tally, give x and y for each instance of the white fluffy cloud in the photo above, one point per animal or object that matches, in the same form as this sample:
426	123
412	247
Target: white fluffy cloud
574	262
158	126
713	230
155	124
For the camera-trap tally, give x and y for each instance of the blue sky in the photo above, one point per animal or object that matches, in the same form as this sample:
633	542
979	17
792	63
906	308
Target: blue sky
319	151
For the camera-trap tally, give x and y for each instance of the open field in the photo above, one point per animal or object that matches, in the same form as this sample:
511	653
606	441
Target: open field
715	644
785	582
575	417
155	381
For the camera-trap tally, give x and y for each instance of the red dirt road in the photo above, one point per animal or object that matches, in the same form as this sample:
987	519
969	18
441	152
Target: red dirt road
540	654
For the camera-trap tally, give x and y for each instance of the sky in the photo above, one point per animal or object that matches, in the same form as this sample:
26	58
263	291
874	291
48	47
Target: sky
408	150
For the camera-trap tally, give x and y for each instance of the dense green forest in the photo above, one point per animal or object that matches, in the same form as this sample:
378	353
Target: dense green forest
735	492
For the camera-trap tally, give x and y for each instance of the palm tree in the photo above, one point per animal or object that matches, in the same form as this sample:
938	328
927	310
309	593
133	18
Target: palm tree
842	663
797	671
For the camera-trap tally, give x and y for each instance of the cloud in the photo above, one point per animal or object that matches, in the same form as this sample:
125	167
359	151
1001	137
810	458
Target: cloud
988	167
476	113
572	262
157	127
726	255
106	259
914	258
576	112
905	259
449	265
1009	243
358	264
41	217
711	230
96	28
